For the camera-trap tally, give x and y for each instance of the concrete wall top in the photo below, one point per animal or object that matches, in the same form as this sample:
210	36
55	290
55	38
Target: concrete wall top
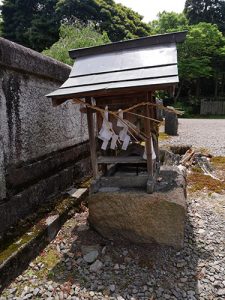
24	59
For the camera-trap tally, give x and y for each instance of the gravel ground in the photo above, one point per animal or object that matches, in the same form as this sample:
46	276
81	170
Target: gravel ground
124	271
202	133
79	264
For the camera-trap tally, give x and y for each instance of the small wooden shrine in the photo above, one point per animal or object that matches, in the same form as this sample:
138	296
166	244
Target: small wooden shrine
115	86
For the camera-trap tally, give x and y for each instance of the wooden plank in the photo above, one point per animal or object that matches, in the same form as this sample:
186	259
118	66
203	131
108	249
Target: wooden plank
93	148
120	160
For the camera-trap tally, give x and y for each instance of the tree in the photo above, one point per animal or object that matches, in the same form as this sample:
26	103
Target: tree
36	24
118	21
17	16
202	47
169	22
210	11
44	26
30	23
75	36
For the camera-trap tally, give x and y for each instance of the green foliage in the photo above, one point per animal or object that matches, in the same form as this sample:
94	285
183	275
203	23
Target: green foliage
197	52
36	24
118	21
210	11
17	16
30	23
75	36
169	22
201	57
44	27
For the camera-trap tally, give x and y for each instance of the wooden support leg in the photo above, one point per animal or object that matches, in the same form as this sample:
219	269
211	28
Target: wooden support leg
148	143
150	183
93	148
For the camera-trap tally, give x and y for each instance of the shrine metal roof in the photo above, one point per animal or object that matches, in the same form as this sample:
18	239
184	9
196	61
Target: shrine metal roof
139	63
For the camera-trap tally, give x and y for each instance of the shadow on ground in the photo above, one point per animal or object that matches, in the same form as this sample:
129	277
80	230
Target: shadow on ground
130	271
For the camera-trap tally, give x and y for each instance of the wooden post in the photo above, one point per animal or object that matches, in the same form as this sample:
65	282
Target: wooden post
91	132
150	182
149	141
156	132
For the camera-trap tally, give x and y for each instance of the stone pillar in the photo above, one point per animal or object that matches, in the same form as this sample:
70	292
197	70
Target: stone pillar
171	123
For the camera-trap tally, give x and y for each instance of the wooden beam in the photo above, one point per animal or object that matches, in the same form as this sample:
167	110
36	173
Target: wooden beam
92	140
57	100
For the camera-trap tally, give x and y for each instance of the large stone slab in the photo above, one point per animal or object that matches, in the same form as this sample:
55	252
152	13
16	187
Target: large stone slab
140	217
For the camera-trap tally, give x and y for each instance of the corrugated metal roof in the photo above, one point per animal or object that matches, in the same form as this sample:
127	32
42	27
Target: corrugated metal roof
139	66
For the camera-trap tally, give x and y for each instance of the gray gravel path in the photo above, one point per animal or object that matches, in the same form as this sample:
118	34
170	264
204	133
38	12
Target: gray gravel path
129	272
202	133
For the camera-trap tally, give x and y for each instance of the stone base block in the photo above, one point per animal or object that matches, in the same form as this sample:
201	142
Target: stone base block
140	217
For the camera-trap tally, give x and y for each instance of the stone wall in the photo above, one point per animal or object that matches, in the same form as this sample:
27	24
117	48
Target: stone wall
43	149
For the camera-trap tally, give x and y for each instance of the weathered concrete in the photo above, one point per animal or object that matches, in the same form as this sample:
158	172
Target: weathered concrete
43	149
141	217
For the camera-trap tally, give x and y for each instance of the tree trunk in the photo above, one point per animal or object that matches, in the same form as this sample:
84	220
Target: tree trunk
223	83
178	92
197	88
216	86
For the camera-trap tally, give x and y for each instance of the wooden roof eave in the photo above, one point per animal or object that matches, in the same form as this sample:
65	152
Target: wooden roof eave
58	100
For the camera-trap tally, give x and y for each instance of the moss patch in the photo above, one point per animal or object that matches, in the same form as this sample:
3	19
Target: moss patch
8	248
198	181
197	169
16	245
218	162
163	136
50	259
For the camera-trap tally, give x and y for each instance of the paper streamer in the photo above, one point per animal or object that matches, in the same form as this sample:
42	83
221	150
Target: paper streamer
126	142
105	134
114	141
123	133
104	144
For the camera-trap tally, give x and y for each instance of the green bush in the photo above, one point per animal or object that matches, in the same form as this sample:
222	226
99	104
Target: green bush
75	36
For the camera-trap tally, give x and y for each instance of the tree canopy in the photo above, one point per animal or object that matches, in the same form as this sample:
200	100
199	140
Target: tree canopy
199	49
169	22
36	24
210	11
30	23
201	57
117	20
